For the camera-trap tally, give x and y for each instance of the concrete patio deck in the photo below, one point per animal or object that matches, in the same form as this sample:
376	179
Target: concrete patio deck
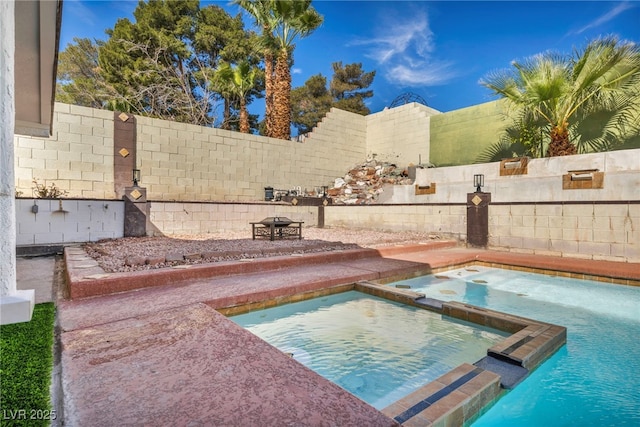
163	355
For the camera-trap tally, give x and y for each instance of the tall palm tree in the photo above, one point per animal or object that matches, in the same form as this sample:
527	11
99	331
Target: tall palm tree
282	22
241	79
561	91
262	12
221	83
296	18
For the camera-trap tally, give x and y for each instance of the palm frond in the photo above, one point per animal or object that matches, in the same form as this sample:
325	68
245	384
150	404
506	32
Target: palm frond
503	149
600	84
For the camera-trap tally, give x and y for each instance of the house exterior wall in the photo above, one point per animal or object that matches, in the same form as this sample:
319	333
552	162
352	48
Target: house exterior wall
7	180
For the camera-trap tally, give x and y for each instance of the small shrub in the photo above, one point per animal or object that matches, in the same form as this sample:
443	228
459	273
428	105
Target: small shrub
41	191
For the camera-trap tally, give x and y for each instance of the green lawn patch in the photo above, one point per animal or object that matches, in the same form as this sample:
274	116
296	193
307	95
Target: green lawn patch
26	362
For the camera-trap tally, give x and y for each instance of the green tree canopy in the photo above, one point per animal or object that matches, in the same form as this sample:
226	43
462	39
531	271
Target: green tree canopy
222	39
163	64
80	81
239	81
151	65
311	102
348	87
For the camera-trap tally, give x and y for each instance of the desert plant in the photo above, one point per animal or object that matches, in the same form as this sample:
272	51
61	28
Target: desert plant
565	92
41	191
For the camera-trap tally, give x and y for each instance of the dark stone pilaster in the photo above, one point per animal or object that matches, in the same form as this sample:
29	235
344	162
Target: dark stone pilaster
478	219
124	151
136	211
321	216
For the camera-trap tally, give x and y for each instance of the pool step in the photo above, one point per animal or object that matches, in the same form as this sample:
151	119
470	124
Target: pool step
531	341
510	373
452	399
530	346
431	303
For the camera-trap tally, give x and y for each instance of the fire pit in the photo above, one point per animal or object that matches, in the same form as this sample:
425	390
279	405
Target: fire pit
277	227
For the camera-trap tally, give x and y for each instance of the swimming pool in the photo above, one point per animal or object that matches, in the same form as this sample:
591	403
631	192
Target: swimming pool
593	380
376	349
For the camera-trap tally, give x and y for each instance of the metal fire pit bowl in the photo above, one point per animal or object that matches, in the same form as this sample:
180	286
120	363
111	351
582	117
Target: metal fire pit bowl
278	221
279	227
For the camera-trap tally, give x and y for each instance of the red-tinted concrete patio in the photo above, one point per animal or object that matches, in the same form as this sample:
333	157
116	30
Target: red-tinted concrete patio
162	354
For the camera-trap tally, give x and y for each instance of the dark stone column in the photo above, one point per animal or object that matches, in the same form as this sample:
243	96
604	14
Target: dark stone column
324	201
478	219
321	216
124	151
136	211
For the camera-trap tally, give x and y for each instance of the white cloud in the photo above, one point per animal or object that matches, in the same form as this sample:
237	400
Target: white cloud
296	71
617	10
81	12
404	50
399	38
429	74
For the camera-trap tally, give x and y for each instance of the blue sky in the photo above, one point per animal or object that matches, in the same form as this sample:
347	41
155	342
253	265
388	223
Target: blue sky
438	50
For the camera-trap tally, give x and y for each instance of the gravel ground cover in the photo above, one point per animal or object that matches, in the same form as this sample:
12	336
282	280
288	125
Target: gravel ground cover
145	253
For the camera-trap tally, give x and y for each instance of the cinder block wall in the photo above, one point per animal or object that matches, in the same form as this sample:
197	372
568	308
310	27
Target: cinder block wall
401	135
458	137
596	231
529	213
443	219
192	163
78	157
187	163
196	218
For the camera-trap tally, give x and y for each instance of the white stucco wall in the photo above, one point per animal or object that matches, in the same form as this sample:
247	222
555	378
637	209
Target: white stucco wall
542	183
67	221
7	120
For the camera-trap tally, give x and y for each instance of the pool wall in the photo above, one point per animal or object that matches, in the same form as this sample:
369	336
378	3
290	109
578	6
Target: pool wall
458	396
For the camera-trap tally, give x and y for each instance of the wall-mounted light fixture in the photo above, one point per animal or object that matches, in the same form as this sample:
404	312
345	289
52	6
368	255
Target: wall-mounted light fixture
478	182
136	177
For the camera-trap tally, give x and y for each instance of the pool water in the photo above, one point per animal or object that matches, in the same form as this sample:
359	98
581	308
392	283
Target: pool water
594	379
376	349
